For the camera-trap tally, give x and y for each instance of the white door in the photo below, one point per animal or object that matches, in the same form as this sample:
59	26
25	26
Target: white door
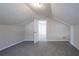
40	30
35	30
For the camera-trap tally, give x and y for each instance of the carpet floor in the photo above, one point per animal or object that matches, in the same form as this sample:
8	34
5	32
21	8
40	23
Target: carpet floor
41	49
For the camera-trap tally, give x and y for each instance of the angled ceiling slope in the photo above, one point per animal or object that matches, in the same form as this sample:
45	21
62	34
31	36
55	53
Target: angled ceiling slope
15	14
67	12
44	11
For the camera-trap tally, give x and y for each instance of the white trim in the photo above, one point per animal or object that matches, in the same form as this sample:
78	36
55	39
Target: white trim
28	40
10	45
58	40
74	45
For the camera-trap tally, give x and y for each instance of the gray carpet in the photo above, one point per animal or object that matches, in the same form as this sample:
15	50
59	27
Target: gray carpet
41	49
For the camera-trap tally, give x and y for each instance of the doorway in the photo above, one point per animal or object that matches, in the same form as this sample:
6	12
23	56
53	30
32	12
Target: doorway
40	30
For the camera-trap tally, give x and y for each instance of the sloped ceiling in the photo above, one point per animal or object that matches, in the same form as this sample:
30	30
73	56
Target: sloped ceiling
21	13
15	14
44	11
67	12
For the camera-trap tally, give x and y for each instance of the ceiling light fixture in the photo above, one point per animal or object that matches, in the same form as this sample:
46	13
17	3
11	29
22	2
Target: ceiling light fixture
37	5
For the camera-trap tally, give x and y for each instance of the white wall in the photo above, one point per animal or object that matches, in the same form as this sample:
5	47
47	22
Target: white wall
75	36
57	31
10	35
71	35
67	12
29	29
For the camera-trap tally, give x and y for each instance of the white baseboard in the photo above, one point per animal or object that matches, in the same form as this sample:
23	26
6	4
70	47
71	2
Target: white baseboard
10	45
57	40
74	46
28	40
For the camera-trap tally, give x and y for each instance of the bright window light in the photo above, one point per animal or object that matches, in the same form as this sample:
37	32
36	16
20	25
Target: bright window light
42	30
42	27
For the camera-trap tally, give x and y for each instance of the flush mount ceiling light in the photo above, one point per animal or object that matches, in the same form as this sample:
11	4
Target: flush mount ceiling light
37	5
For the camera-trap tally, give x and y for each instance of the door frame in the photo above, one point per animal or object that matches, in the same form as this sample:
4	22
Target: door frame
36	33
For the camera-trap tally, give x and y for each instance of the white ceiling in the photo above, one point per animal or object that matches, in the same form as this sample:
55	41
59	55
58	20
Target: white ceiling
15	14
67	12
20	13
44	11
